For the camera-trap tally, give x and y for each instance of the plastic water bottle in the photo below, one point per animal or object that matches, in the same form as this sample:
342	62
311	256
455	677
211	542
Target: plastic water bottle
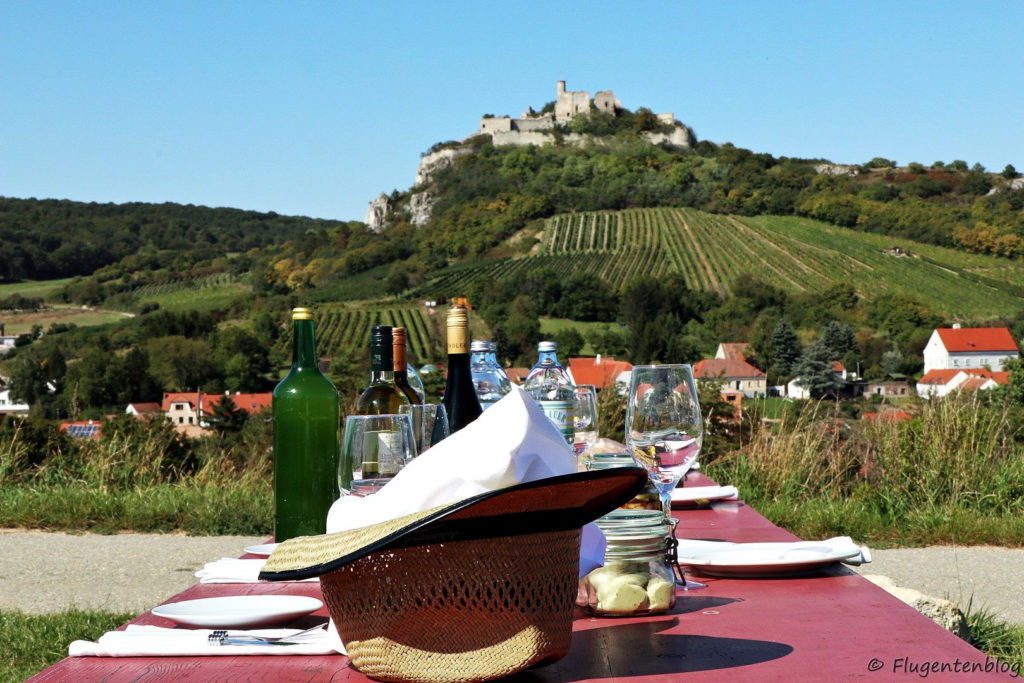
550	386
489	379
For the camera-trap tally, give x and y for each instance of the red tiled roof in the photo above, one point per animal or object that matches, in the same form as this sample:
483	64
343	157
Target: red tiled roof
146	407
972	384
734	350
945	376
712	368
250	403
968	339
837	366
599	371
517	375
190	397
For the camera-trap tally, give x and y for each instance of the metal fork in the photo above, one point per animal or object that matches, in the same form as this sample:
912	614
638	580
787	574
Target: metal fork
221	637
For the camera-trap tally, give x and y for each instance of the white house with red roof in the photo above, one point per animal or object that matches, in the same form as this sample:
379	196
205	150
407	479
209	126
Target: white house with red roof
939	383
956	348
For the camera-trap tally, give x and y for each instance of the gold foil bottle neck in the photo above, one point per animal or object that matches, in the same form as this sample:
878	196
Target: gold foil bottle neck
302	314
458	330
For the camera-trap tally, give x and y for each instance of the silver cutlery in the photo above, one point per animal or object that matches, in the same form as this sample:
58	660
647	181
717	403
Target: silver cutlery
222	637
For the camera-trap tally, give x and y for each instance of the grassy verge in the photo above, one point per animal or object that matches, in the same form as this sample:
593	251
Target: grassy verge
239	508
952	473
30	642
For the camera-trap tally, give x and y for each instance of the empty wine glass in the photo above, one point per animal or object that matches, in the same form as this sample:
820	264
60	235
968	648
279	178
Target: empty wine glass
663	424
585	423
373	450
429	424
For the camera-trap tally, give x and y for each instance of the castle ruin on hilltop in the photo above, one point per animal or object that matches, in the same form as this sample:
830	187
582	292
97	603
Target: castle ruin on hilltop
530	128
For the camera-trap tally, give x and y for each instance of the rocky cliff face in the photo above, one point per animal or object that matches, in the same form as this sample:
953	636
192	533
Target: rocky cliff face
377	214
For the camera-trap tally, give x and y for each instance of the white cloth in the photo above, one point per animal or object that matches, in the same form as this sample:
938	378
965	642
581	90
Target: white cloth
839	548
233	570
512	442
149	641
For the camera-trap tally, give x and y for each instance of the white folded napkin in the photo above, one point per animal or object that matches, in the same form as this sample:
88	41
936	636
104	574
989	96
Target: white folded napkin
232	570
510	443
840	548
698	494
149	641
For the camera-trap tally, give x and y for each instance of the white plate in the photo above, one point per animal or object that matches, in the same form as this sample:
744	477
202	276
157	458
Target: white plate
238	610
263	549
755	560
697	496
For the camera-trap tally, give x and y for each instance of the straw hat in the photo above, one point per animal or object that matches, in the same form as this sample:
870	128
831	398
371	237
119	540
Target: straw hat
469	591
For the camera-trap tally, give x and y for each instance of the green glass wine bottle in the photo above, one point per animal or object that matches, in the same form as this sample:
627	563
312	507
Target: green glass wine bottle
306	439
381	397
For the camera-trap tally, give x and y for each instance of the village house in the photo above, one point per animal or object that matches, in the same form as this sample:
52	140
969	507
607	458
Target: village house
143	409
843	376
953	348
939	383
733	374
8	406
189	411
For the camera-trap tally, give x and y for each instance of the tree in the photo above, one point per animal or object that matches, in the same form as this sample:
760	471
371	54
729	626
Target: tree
180	364
839	339
569	341
814	371
1009	172
784	349
227	417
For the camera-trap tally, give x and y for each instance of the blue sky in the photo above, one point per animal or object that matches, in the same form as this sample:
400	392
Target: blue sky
314	108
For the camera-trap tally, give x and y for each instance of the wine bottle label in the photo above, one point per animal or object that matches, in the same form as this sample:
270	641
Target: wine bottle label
560	412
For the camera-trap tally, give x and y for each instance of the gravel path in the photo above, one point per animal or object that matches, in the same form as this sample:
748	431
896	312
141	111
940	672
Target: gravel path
43	572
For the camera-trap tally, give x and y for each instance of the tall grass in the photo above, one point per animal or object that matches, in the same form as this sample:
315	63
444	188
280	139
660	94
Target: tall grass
139	476
952	473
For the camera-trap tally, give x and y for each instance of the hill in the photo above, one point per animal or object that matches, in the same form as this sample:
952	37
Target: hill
797	255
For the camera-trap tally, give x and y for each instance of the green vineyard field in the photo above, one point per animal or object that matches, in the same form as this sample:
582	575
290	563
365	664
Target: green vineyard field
339	327
794	254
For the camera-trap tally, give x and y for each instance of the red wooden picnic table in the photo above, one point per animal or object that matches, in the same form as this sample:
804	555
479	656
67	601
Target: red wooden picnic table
834	624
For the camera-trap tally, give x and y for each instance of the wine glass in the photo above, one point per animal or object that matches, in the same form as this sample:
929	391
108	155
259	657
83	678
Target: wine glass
663	424
373	450
429	424
585	421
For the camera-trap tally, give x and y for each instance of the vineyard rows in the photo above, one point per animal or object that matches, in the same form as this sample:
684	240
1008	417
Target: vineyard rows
710	251
349	328
156	289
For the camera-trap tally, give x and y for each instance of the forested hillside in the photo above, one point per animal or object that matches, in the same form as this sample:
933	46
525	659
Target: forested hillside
44	239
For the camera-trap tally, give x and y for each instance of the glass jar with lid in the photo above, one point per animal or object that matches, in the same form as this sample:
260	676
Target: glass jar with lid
637	577
648	499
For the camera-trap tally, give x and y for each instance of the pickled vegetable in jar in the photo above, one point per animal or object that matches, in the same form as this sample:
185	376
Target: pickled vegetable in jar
637	578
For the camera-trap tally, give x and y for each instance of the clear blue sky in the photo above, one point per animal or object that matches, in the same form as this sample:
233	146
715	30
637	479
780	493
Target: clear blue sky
313	108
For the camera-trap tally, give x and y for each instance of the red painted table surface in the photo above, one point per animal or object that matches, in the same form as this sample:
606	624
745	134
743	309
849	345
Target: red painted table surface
831	625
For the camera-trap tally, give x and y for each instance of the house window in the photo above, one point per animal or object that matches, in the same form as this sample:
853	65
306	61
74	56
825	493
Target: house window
181	420
190	420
